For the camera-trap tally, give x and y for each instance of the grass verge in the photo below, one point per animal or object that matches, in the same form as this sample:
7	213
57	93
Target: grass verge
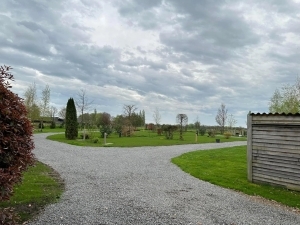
48	130
227	167
143	138
41	185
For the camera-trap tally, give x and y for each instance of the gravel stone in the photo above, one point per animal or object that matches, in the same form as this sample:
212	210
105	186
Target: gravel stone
110	185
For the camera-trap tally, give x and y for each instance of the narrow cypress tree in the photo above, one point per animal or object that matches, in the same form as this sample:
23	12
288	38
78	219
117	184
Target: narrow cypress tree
71	120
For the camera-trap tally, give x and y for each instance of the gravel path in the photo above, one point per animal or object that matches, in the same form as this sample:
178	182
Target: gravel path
141	186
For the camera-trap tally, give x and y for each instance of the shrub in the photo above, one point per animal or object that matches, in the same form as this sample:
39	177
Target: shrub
41	126
169	130
227	135
96	140
16	141
105	129
211	133
52	125
71	132
85	136
202	130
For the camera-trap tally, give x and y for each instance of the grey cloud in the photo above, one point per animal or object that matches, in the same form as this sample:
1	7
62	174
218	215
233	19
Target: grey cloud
136	6
139	61
141	13
209	31
281	6
194	47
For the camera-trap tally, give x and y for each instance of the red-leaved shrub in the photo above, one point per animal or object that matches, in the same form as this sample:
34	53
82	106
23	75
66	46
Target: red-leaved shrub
16	142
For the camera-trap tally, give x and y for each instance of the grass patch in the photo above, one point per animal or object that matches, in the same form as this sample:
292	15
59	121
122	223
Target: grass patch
48	130
143	138
41	185
227	167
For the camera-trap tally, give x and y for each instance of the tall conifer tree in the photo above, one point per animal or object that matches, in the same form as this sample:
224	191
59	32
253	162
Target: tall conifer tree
71	120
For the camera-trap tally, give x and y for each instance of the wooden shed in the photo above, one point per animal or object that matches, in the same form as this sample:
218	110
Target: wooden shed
273	151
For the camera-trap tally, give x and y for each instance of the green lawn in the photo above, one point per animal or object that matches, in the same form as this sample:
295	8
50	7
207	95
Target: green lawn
48	130
227	167
143	138
40	186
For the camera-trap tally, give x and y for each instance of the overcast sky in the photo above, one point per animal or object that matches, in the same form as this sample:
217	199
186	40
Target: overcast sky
181	56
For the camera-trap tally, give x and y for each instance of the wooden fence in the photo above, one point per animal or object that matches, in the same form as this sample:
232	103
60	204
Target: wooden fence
273	151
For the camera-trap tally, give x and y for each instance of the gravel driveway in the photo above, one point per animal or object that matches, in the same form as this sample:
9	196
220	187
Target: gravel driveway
141	186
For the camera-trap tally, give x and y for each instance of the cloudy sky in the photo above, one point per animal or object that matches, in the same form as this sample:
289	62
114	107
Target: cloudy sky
180	56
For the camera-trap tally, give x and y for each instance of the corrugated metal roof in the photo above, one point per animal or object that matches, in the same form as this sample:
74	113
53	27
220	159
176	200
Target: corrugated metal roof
275	114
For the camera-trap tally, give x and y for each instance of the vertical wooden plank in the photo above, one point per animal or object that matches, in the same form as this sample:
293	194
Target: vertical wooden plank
249	147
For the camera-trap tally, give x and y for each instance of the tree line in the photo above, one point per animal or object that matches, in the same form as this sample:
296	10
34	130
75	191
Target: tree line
286	99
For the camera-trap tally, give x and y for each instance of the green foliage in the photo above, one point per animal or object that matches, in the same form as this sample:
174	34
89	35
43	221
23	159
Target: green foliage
211	133
52	125
202	130
118	123
227	167
71	132
286	100
168	130
96	140
227	135
62	125
105	129
16	141
85	136
41	125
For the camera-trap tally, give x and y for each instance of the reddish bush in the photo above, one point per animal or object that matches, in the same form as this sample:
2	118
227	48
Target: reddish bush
16	141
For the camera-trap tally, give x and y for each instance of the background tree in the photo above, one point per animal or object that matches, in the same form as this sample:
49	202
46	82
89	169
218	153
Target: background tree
62	113
136	120
231	121
105	124
202	130
86	118
221	117
16	142
44	105
144	117
30	101
182	120
53	111
286	100
128	111
118	123
83	104
156	117
169	130
71	132
94	117
197	124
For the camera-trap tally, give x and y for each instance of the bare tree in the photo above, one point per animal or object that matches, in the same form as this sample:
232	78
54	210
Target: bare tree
53	111
156	117
221	117
62	113
129	110
83	103
30	101
231	121
182	120
44	105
